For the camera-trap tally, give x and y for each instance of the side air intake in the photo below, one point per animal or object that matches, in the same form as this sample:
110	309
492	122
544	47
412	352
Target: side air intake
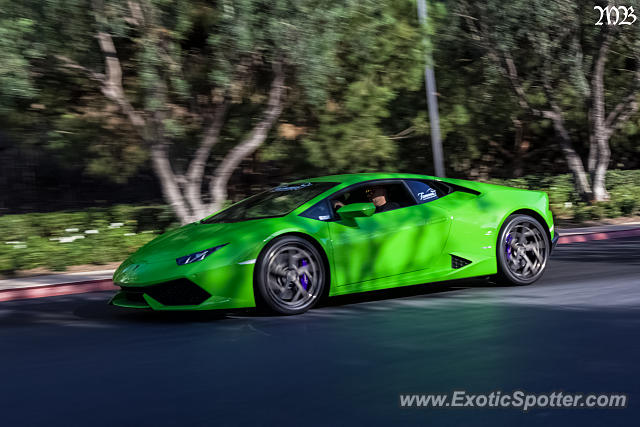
459	262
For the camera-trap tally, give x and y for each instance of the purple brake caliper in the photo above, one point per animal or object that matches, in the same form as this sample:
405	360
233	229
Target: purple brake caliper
508	240
303	279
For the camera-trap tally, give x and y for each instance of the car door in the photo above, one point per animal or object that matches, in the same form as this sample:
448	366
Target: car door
388	243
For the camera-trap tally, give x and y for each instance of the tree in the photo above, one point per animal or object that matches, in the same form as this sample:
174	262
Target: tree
179	70
554	58
380	54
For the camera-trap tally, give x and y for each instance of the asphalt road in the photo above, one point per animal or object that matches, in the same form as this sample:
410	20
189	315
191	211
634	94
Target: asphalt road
73	360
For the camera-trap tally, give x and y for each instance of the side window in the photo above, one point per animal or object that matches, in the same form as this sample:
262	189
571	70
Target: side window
422	191
397	194
319	211
386	196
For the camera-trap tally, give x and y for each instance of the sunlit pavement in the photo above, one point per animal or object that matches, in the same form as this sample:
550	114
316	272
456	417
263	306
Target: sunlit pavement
73	360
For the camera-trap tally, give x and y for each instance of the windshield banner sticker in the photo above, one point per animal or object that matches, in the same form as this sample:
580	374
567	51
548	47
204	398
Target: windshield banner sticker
292	187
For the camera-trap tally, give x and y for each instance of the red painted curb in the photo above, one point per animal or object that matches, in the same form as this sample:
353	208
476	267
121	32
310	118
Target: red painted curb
576	238
55	290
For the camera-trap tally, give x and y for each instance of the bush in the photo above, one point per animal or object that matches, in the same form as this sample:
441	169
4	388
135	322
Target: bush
565	203
581	213
627	205
95	236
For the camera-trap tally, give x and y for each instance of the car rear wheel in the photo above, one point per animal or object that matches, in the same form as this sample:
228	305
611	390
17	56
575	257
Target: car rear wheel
522	250
290	275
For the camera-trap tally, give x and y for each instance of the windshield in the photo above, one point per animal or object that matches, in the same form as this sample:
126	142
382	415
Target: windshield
278	201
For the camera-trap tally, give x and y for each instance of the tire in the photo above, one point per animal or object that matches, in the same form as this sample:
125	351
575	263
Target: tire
290	275
523	249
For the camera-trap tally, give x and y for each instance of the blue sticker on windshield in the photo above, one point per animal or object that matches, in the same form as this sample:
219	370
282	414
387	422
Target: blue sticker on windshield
292	187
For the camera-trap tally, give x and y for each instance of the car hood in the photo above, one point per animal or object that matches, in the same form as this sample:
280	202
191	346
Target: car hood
188	239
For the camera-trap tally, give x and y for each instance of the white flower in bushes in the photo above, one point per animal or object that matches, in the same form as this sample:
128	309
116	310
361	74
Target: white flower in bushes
70	238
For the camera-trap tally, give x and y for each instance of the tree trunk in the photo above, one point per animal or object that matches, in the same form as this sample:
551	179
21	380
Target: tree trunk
257	136
168	182
600	192
520	149
599	151
573	159
195	172
593	154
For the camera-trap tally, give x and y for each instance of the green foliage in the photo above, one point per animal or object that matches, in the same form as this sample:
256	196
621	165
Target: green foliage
623	186
552	45
95	236
177	58
302	34
354	77
15	80
380	53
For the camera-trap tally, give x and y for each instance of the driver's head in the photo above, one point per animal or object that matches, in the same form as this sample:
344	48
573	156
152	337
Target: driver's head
377	195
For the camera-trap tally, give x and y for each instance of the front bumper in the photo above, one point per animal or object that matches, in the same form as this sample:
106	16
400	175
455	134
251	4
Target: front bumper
158	288
181	292
127	299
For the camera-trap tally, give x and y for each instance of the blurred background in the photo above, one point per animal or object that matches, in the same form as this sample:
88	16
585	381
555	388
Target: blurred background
121	119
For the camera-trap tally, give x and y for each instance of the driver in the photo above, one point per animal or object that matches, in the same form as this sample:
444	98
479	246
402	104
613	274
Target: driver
378	196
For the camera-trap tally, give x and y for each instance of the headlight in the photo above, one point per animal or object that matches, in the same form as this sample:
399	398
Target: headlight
198	256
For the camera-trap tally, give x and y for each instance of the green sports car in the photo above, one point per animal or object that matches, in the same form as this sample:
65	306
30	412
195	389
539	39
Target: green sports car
287	248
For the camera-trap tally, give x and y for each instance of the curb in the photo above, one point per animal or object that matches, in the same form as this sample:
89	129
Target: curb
604	235
57	290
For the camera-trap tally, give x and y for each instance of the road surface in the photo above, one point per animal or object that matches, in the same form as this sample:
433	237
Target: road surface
73	360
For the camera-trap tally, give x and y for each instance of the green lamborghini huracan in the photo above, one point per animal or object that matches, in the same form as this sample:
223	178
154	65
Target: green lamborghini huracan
288	247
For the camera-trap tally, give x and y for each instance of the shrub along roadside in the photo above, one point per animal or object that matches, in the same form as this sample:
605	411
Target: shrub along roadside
100	235
623	186
93	236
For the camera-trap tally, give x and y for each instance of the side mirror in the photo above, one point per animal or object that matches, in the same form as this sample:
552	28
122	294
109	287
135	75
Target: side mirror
354	210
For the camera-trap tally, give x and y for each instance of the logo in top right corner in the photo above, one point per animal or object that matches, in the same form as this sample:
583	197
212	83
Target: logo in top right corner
616	15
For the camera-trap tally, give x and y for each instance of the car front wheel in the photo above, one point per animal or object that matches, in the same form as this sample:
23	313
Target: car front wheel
290	275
